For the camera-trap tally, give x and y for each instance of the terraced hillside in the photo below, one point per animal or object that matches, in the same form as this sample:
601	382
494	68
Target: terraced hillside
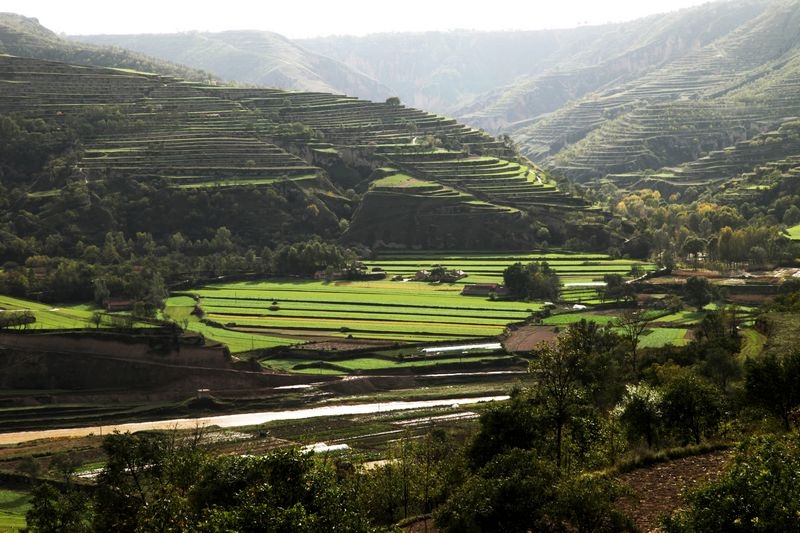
498	80
731	90
621	99
619	55
307	148
744	170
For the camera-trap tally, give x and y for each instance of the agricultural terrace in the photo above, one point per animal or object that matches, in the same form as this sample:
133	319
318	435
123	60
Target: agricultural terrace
48	316
68	316
290	311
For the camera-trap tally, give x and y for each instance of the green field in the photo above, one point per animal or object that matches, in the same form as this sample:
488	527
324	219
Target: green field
49	316
265	314
285	311
658	337
58	316
13	506
398	311
794	232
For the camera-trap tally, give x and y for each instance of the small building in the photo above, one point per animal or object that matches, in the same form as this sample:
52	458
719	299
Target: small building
484	289
118	304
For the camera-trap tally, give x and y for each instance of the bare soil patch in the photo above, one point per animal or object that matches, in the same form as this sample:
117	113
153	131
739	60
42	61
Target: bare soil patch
525	338
657	490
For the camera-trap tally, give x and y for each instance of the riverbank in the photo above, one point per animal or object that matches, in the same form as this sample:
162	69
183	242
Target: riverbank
241	419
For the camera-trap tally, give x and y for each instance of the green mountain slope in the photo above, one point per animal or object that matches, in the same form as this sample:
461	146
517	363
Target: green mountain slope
255	57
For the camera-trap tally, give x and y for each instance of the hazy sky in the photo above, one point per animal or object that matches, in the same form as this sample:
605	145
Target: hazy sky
310	18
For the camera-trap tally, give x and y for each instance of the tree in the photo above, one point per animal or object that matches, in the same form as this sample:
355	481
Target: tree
511	493
421	473
694	247
393	101
55	512
717	344
96	319
65	464
17	319
30	467
691	407
640	413
516	280
101	291
557	370
632	324
518	491
516	423
773	382
159	482
532	281
698	291
588	338
602	376
617	289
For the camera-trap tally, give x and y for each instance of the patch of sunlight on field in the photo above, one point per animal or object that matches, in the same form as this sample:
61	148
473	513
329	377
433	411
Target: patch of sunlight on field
238	341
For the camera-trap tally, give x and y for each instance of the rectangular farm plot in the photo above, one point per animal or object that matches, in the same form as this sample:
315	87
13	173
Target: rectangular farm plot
407	311
48	316
658	337
383	310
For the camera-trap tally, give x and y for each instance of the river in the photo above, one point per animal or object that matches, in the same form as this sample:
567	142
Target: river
241	419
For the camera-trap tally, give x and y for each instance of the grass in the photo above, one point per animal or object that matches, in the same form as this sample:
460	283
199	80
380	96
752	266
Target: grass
403	181
238	341
658	337
565	319
49	316
379	309
264	314
407	311
13	506
753	343
56	316
794	232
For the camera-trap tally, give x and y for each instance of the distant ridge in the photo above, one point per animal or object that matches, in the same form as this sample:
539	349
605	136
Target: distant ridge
25	37
254	57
